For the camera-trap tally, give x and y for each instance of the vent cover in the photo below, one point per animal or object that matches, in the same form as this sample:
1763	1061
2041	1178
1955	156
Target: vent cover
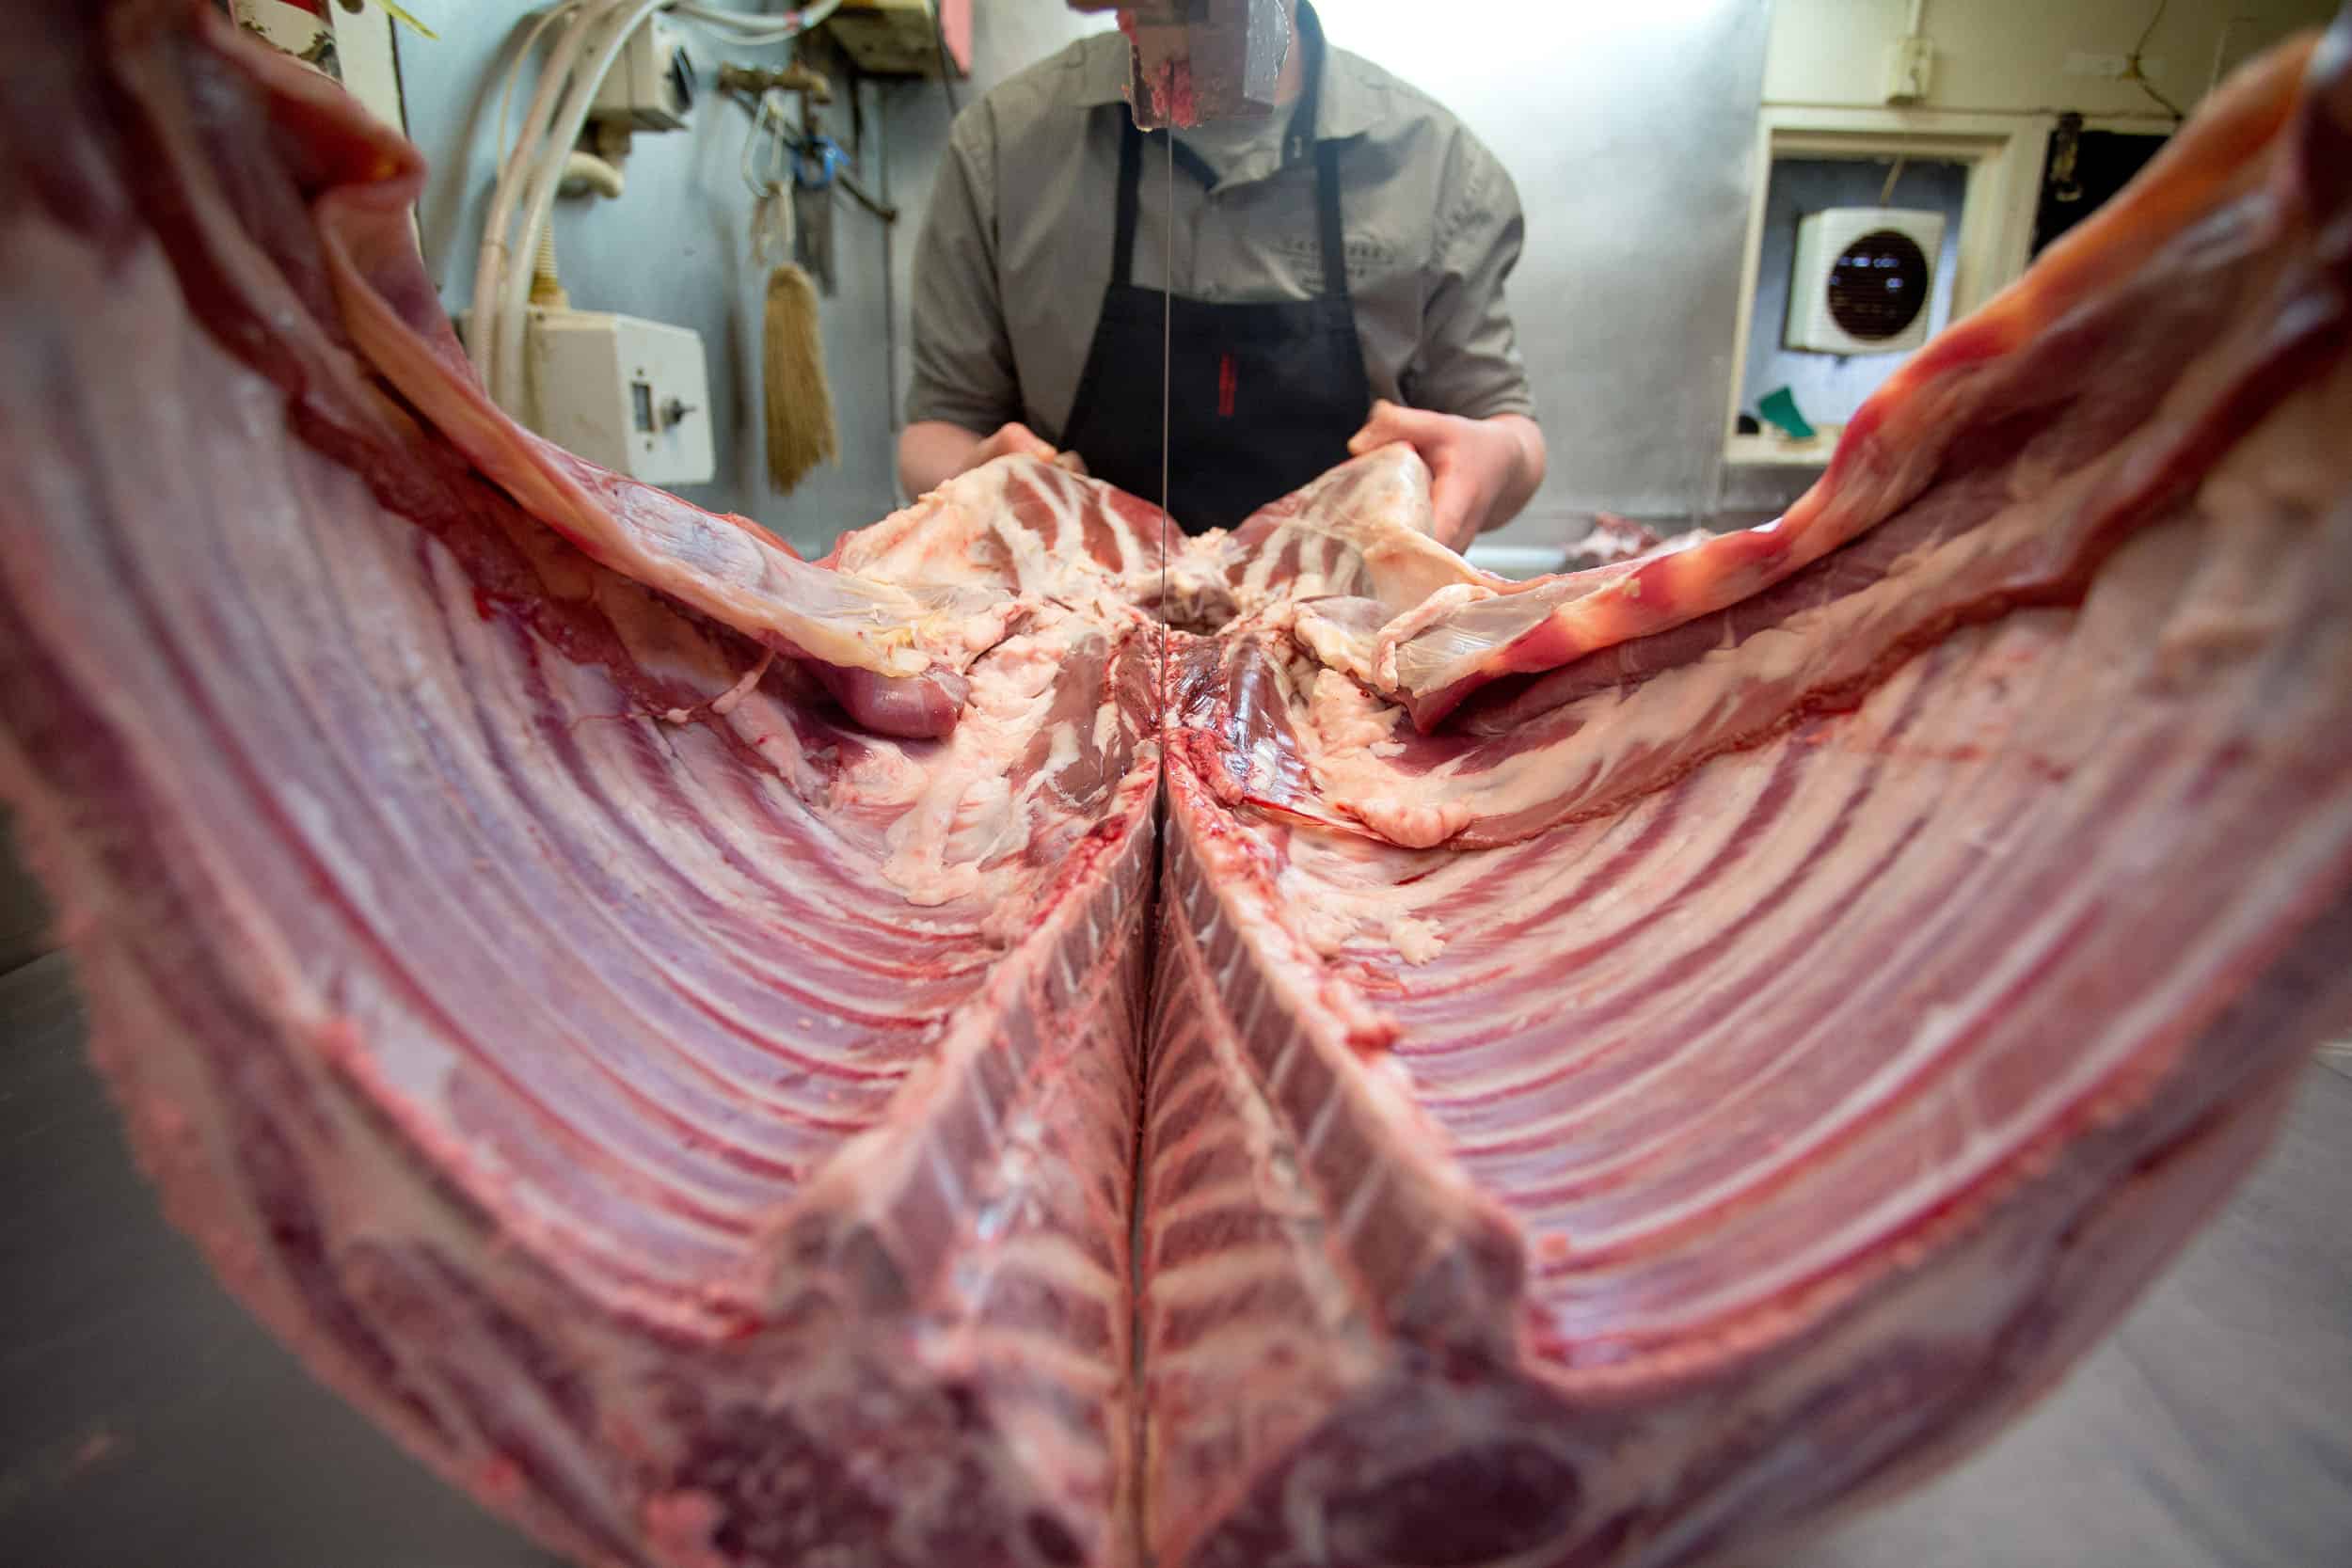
1862	280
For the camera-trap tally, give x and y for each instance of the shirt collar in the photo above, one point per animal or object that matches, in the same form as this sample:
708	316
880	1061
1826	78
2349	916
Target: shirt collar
1349	107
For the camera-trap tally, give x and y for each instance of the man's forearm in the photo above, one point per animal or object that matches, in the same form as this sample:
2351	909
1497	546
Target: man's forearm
932	452
1524	477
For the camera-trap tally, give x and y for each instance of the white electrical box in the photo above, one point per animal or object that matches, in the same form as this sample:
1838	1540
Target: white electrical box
651	83
1862	280
630	395
1910	66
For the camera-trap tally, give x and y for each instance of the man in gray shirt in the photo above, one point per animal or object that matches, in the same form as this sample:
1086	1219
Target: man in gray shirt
1038	304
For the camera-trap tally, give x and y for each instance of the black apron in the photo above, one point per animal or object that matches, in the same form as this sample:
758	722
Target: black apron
1261	397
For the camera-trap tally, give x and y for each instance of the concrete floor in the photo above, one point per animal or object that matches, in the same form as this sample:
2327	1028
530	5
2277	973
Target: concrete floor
144	1420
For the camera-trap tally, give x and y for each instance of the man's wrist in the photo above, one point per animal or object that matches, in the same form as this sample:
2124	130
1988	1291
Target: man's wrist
1523	472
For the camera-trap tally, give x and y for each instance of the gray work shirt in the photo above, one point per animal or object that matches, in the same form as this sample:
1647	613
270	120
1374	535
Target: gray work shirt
1016	248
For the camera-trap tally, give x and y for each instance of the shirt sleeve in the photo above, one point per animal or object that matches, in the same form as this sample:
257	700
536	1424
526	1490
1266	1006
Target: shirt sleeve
1469	361
964	366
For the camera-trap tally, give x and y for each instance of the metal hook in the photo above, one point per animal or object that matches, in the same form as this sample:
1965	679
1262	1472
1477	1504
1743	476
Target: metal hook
765	178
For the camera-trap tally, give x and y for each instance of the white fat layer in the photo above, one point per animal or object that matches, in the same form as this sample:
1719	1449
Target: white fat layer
965	806
1337	633
1350	735
1348	895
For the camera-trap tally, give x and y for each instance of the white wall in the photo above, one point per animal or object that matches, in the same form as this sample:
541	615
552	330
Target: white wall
2010	54
1630	129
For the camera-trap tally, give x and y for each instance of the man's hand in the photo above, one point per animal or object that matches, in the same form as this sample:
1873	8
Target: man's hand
1010	440
932	452
1482	471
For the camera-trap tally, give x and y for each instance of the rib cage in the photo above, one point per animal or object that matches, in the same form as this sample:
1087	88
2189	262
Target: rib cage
651	1109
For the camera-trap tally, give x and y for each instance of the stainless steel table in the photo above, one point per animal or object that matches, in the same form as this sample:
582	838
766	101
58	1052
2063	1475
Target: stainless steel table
145	1421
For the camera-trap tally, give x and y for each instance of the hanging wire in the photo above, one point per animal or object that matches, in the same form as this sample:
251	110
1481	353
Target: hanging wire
753	28
522	56
1167	352
2132	71
767	152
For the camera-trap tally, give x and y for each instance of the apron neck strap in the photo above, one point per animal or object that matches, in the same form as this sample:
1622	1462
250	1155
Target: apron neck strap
1328	216
1296	139
1300	134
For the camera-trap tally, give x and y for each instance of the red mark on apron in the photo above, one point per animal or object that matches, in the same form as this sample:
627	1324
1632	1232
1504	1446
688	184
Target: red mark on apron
1226	381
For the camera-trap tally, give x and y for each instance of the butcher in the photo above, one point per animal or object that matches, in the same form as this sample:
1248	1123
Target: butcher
1337	269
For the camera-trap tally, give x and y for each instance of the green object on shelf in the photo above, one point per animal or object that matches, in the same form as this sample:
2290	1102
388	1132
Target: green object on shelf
1779	409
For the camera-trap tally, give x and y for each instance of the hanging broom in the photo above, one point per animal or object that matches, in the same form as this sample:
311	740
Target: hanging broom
800	431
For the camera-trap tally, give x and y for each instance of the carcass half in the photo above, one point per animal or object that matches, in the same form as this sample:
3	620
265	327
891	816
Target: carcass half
980	1050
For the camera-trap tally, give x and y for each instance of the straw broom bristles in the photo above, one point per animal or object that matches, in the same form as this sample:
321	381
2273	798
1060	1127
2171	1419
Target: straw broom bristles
800	431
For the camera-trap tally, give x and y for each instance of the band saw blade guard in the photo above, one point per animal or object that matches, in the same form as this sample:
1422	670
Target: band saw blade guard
1196	62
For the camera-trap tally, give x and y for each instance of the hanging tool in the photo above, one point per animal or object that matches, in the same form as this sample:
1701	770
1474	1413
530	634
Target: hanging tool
801	428
791	172
815	162
767	152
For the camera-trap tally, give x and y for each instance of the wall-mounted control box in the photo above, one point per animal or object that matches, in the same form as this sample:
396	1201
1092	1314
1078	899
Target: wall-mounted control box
651	85
631	395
